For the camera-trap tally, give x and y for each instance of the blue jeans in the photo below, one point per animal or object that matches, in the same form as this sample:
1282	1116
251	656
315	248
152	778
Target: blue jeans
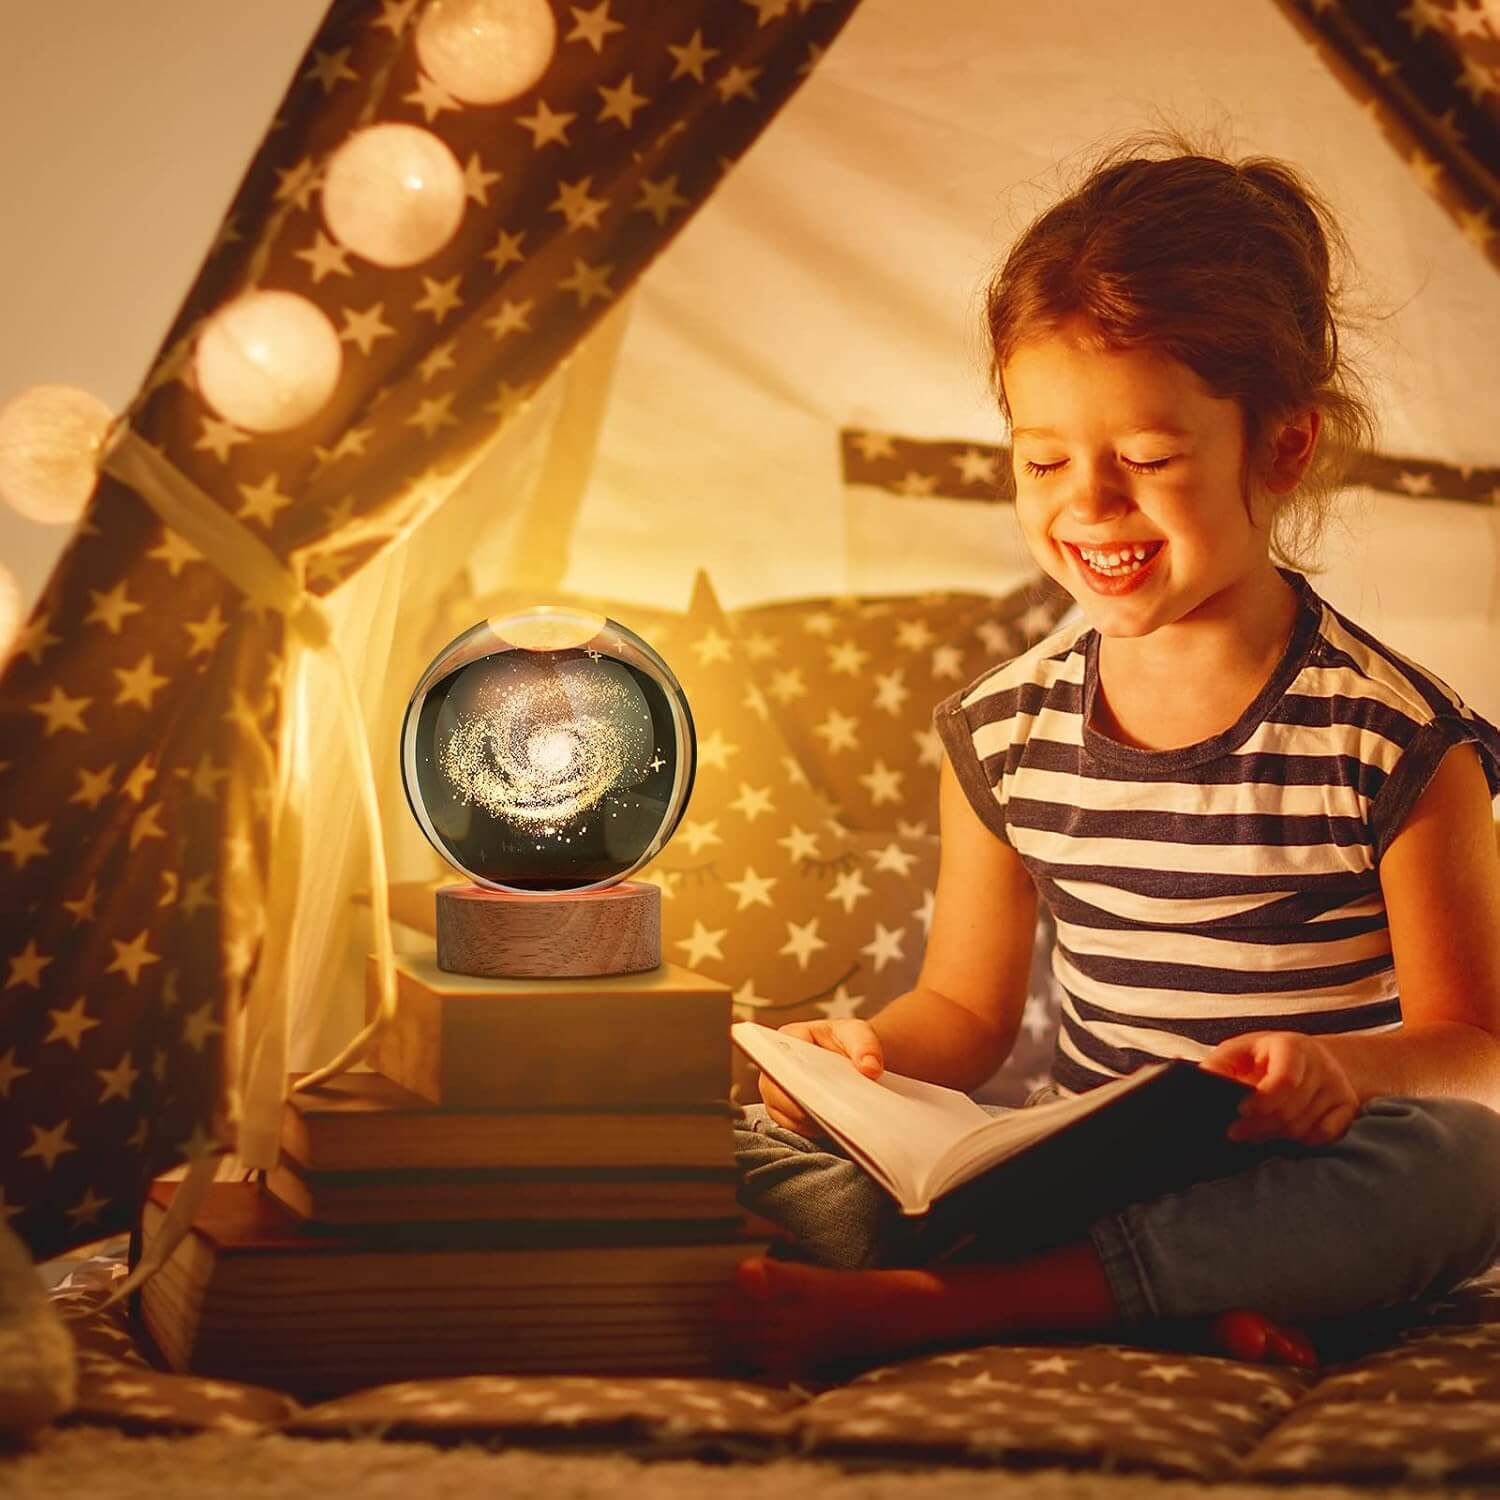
1404	1206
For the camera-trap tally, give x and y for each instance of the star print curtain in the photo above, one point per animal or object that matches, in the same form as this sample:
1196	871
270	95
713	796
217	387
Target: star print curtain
1429	72
155	716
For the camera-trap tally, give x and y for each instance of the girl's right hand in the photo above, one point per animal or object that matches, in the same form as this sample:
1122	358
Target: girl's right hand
847	1036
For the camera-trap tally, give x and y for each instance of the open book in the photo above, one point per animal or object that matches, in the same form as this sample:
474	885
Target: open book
1156	1129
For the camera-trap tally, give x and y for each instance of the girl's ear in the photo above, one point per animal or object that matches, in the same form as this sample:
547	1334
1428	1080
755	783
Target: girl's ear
1292	449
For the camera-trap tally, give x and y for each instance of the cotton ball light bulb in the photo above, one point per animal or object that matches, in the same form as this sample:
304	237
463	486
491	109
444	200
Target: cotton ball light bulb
393	194
50	436
10	612
486	51
268	361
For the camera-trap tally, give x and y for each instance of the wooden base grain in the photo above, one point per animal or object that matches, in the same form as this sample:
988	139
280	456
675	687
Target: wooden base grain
568	934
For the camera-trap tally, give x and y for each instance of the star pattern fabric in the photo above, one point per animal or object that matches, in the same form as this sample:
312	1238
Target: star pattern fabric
142	714
1427	72
1407	1397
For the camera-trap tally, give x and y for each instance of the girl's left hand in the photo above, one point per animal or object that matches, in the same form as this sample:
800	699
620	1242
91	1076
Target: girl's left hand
1301	1090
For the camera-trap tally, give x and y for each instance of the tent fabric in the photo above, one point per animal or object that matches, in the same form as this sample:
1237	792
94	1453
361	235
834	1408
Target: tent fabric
1429	72
151	718
829	288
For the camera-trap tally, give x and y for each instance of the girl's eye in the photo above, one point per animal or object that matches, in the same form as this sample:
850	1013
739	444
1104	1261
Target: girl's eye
1151	466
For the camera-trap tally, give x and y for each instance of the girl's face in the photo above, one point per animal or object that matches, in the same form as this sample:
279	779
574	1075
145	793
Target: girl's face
1118	452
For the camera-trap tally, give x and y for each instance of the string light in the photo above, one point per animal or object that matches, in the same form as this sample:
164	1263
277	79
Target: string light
268	361
393	194
486	51
10	612
50	437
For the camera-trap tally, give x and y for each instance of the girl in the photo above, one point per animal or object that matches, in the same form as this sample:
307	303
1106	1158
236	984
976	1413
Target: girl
1266	838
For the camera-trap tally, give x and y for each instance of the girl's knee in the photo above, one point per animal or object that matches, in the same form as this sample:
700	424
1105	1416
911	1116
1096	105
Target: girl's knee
1444	1155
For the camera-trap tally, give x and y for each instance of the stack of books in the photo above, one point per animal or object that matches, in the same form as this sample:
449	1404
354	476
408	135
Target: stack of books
540	1178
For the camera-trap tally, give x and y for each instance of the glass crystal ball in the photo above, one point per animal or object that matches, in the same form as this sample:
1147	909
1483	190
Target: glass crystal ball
548	750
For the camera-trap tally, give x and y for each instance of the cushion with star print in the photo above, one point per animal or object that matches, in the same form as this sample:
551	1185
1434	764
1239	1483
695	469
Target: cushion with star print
852	683
1406	1395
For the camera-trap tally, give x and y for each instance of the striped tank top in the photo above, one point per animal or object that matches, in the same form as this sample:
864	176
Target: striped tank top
1216	888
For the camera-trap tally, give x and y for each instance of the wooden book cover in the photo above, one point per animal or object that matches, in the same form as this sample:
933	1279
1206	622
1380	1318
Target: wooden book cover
505	1194
251	1295
365	1122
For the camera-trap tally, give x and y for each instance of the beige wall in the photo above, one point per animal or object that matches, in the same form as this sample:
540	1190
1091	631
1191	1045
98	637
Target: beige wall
124	128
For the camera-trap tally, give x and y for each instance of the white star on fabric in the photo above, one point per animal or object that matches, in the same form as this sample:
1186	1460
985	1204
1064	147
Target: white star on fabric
477	181
660	198
714	750
439	297
326	257
882	782
622	102
799	844
587	282
696	834
841	1005
69	1025
507	248
702	944
891	691
873	445
24	842
751	889
593	26
262	501
49	1144
847	658
330	69
977	467
691	57
118	1080
752	801
848	890
836	730
885	946
430	98
802	941
546	125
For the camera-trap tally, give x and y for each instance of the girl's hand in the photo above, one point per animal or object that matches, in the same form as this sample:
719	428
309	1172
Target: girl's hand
1301	1090
854	1039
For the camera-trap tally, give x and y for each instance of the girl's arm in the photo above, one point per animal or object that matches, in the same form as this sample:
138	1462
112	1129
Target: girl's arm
958	1024
1441	881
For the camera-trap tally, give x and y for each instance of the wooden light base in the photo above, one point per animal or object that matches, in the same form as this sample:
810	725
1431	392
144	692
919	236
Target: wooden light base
497	934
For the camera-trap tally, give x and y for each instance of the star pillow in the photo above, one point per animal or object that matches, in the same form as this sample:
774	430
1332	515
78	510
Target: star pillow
852	682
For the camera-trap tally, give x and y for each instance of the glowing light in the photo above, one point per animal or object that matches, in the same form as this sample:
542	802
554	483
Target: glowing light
393	194
10	612
268	361
50	437
486	51
541	753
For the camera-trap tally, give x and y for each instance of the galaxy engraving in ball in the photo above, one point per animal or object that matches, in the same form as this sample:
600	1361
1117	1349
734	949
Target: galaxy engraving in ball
548	750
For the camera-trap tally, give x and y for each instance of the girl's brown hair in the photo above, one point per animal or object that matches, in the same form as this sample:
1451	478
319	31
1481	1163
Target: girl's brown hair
1226	266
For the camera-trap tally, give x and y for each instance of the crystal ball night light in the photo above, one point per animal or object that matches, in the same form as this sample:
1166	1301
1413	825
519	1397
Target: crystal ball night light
548	750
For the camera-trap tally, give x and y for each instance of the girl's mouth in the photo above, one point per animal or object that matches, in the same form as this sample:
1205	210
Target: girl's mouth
1122	577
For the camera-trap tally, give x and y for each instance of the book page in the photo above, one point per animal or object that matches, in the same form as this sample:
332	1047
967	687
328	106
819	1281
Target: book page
1003	1135
897	1127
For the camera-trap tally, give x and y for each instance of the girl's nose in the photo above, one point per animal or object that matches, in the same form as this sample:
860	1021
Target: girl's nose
1094	495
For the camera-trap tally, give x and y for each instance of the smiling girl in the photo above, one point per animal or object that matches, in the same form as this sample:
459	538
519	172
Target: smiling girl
1265	836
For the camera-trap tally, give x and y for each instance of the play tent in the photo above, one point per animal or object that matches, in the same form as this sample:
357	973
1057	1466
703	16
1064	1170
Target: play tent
703	341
